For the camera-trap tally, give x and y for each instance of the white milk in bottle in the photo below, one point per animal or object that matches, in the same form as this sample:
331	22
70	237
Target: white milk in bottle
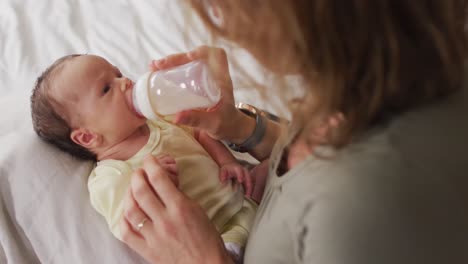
167	92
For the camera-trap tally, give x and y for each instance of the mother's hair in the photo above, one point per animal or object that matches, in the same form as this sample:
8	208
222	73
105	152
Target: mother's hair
369	59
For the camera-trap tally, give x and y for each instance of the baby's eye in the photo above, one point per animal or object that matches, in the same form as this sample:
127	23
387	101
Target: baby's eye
106	89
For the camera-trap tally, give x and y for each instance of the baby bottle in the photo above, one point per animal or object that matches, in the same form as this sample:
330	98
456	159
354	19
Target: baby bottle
166	92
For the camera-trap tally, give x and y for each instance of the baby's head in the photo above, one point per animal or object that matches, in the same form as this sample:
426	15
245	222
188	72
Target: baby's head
83	105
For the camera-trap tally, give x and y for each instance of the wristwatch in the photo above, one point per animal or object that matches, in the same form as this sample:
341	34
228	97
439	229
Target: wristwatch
259	131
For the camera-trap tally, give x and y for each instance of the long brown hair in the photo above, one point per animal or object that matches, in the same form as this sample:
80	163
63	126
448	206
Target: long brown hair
368	59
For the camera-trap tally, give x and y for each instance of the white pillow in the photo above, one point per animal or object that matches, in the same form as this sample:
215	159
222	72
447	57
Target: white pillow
45	198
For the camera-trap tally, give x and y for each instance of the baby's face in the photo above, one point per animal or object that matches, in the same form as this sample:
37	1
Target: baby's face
97	97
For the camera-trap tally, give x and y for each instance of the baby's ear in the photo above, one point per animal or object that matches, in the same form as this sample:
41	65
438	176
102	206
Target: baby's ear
84	138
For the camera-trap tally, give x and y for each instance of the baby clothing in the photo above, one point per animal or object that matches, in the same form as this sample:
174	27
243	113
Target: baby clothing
198	176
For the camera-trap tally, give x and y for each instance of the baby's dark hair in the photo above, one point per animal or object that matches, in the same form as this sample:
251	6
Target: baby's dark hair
48	121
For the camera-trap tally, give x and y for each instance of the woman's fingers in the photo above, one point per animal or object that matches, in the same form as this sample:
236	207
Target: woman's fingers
129	233
178	228
199	119
212	120
160	181
171	169
165	158
170	61
131	237
217	55
217	59
172	172
144	195
214	56
133	214
201	53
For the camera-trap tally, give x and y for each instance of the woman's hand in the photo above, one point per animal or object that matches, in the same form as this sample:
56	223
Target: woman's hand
213	120
223	121
163	225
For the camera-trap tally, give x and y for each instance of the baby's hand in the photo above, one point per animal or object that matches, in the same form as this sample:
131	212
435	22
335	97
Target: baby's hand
169	164
234	170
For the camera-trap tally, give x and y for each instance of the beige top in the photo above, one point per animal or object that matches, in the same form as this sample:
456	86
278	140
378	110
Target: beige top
397	195
198	176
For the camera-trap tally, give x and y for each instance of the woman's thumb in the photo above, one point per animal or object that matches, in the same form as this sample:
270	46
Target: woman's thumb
193	118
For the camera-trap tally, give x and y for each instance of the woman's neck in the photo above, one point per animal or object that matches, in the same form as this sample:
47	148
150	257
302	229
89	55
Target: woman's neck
298	151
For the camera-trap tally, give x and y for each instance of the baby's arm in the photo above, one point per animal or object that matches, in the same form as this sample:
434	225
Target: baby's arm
107	185
229	166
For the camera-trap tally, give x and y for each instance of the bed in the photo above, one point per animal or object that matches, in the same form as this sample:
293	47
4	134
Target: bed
45	214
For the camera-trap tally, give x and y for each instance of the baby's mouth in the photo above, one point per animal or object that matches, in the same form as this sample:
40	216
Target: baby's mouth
130	98
137	113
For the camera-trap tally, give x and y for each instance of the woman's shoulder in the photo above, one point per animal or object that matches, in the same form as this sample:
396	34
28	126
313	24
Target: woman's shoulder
427	144
404	160
370	195
329	169
412	159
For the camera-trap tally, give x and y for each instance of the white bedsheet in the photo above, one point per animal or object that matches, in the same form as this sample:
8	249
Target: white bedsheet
45	214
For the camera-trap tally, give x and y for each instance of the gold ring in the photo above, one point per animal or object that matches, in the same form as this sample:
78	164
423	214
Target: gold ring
141	224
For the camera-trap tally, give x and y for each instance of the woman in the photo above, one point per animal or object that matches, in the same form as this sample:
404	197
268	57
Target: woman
383	184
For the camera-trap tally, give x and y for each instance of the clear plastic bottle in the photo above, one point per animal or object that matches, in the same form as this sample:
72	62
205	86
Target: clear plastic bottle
167	92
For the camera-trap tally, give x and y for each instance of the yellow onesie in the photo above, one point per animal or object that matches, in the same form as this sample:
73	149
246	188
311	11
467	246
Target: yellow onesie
198	175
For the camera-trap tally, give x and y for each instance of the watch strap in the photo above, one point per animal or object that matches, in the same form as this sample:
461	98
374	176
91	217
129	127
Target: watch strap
256	136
